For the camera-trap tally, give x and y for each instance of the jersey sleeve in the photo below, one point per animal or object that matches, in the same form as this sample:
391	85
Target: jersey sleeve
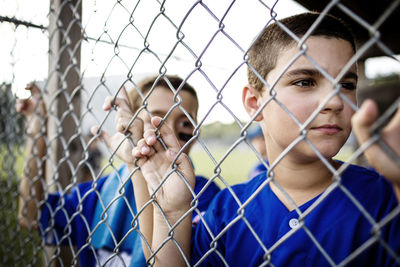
389	234
206	248
206	196
379	221
54	219
65	218
203	235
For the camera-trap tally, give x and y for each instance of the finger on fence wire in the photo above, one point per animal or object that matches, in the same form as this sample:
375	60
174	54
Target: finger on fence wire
115	158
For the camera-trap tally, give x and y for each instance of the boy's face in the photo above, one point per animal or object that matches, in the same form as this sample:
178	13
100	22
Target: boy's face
259	144
160	102
301	89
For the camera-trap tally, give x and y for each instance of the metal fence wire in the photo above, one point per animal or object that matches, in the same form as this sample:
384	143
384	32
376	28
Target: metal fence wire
66	194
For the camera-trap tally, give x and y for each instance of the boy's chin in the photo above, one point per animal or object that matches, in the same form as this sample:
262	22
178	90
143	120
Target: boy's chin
327	152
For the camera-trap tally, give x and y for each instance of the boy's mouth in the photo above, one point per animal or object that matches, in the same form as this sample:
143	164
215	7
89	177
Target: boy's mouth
329	129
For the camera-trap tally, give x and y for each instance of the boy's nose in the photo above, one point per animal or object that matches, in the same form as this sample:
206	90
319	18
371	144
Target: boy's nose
335	103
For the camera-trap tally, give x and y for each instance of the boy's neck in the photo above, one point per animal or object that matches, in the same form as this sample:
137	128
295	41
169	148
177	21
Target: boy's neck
302	182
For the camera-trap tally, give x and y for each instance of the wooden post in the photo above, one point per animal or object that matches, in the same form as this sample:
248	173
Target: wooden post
64	82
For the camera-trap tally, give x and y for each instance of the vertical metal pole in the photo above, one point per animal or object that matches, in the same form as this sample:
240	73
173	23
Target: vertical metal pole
64	81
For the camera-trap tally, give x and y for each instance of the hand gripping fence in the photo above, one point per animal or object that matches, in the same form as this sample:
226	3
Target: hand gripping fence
54	208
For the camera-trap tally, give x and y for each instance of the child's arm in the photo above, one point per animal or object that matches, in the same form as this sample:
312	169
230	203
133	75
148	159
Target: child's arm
362	122
142	197
31	185
154	168
172	198
123	147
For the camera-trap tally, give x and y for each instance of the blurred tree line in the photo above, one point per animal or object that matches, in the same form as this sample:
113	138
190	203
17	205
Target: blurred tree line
11	122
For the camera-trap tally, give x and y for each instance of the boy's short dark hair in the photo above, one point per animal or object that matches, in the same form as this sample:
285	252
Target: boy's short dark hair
145	85
265	51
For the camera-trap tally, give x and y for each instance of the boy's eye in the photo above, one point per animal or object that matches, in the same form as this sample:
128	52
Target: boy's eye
184	137
348	86
304	83
185	124
184	129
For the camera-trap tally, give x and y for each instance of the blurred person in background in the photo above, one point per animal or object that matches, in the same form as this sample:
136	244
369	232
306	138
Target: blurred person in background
99	216
256	138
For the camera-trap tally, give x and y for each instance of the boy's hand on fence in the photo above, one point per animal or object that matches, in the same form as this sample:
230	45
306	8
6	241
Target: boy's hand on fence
128	132
362	122
159	165
31	188
33	108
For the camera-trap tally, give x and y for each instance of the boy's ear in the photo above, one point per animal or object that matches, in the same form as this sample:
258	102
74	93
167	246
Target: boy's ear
250	98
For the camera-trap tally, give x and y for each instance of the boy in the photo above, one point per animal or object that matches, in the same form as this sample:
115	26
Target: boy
308	209
98	222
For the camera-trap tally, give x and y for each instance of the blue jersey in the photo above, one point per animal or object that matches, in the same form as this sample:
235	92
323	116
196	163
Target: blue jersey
79	218
266	231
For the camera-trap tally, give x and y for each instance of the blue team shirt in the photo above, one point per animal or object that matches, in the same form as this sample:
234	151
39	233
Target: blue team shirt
336	224
70	219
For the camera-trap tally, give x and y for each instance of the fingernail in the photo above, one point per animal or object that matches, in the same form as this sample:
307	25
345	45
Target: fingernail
150	140
145	150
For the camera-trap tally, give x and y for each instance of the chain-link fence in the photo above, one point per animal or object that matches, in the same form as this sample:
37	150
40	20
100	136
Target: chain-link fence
67	190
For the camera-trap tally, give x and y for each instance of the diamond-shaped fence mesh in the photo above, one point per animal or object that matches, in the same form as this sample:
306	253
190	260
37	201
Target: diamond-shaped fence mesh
79	187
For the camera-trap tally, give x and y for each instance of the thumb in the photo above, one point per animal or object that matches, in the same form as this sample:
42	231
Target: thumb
95	130
363	120
35	90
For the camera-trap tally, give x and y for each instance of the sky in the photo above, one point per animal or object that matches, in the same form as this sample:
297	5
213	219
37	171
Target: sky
24	52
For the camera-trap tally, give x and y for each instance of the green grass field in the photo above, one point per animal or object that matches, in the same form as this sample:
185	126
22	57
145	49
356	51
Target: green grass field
234	169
